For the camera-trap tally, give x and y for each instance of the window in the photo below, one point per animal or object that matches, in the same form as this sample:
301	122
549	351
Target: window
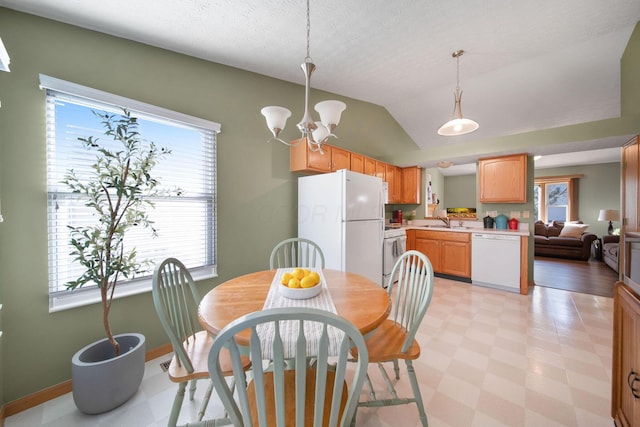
185	224
556	198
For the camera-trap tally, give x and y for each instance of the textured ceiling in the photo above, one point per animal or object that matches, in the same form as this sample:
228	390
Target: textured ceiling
527	66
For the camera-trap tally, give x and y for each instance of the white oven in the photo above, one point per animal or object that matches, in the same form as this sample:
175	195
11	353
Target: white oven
394	245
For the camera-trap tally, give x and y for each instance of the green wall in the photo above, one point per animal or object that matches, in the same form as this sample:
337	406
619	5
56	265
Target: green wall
257	195
460	191
598	189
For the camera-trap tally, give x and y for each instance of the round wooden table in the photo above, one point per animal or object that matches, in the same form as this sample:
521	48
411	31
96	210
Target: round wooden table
356	298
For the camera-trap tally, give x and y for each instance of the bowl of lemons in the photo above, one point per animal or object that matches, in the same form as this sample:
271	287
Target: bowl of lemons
300	283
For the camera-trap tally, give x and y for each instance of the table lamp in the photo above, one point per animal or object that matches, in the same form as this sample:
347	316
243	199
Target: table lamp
609	215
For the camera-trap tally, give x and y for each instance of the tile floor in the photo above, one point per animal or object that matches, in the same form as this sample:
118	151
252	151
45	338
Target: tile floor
489	358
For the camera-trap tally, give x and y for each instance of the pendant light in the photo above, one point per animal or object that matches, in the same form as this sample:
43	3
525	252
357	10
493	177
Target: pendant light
315	132
458	125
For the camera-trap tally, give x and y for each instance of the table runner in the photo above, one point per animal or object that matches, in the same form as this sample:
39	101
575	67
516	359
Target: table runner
289	329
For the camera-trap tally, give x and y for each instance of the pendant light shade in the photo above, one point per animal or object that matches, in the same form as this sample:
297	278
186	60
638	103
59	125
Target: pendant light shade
458	125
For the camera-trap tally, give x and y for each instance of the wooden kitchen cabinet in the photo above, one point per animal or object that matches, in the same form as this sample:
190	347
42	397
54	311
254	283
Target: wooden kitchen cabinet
381	169
411	188
449	252
625	392
630	178
503	179
369	166
394	181
340	159
303	159
357	162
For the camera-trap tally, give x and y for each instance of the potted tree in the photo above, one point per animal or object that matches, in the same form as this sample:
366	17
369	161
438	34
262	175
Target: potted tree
107	373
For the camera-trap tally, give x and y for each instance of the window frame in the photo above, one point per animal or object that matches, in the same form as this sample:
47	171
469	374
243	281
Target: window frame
571	181
89	295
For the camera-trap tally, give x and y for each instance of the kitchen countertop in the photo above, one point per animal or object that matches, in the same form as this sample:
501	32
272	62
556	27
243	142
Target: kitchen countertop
473	227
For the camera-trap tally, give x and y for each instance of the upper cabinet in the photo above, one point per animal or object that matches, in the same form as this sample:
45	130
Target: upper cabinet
411	185
404	184
503	179
630	178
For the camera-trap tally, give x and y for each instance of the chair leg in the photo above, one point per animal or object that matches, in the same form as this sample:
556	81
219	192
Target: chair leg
416	393
177	405
396	368
192	389
205	401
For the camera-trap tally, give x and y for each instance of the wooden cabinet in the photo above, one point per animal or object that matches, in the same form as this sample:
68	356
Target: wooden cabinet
303	159
381	169
411	188
357	162
625	396
630	153
340	159
503	179
449	252
393	178
370	166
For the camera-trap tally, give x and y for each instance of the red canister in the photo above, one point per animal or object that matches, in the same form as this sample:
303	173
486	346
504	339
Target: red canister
397	216
513	224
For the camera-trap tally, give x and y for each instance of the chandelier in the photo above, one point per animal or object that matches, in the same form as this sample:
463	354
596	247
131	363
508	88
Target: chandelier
458	125
316	133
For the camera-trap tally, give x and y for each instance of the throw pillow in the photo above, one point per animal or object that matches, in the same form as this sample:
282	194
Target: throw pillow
573	230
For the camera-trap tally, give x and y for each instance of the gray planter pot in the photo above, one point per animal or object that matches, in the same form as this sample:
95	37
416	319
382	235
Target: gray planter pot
102	382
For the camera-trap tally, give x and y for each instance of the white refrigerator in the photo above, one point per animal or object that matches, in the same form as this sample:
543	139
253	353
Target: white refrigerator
343	212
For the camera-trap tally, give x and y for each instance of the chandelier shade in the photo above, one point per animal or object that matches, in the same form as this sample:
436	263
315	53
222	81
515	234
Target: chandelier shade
276	118
458	125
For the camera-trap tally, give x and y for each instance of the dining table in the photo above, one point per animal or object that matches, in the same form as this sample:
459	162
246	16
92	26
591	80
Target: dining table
356	298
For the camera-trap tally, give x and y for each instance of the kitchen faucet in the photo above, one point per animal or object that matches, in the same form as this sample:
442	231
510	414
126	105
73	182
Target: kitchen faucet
446	220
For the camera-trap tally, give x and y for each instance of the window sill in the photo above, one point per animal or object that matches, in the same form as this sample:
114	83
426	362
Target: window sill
81	297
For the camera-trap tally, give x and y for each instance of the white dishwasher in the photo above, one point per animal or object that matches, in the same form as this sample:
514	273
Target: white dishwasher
495	261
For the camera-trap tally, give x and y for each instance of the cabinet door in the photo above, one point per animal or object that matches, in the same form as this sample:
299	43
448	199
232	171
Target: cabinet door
370	166
431	248
340	159
303	159
456	259
392	180
626	359
630	186
357	162
380	171
411	185
503	179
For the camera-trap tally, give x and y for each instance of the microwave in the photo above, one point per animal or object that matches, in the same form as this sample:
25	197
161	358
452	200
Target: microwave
631	270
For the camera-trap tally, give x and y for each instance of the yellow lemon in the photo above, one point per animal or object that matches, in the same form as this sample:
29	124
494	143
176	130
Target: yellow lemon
308	282
298	273
294	283
306	272
285	278
316	276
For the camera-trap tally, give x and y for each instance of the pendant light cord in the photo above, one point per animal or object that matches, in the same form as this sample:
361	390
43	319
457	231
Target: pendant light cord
308	58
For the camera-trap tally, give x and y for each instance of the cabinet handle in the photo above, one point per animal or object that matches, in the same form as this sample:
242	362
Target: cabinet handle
631	382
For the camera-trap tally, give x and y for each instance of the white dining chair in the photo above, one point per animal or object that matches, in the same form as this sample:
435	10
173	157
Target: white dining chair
176	299
410	288
296	252
300	381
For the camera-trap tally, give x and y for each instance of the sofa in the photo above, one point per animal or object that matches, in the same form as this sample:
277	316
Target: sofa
610	251
570	240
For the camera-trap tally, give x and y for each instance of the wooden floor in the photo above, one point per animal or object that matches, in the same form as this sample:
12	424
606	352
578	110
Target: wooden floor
589	277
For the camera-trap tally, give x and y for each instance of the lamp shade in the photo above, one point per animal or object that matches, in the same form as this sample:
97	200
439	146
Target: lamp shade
276	118
458	127
330	112
320	133
609	215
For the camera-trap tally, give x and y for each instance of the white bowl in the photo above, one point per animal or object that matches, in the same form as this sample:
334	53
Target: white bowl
300	293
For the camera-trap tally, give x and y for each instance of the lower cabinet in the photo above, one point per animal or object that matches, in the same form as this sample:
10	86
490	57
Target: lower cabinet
625	392
449	252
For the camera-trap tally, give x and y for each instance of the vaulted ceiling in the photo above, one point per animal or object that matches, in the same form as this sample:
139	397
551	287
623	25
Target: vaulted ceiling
527	65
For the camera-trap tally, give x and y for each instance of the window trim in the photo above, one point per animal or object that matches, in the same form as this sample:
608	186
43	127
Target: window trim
86	296
572	197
